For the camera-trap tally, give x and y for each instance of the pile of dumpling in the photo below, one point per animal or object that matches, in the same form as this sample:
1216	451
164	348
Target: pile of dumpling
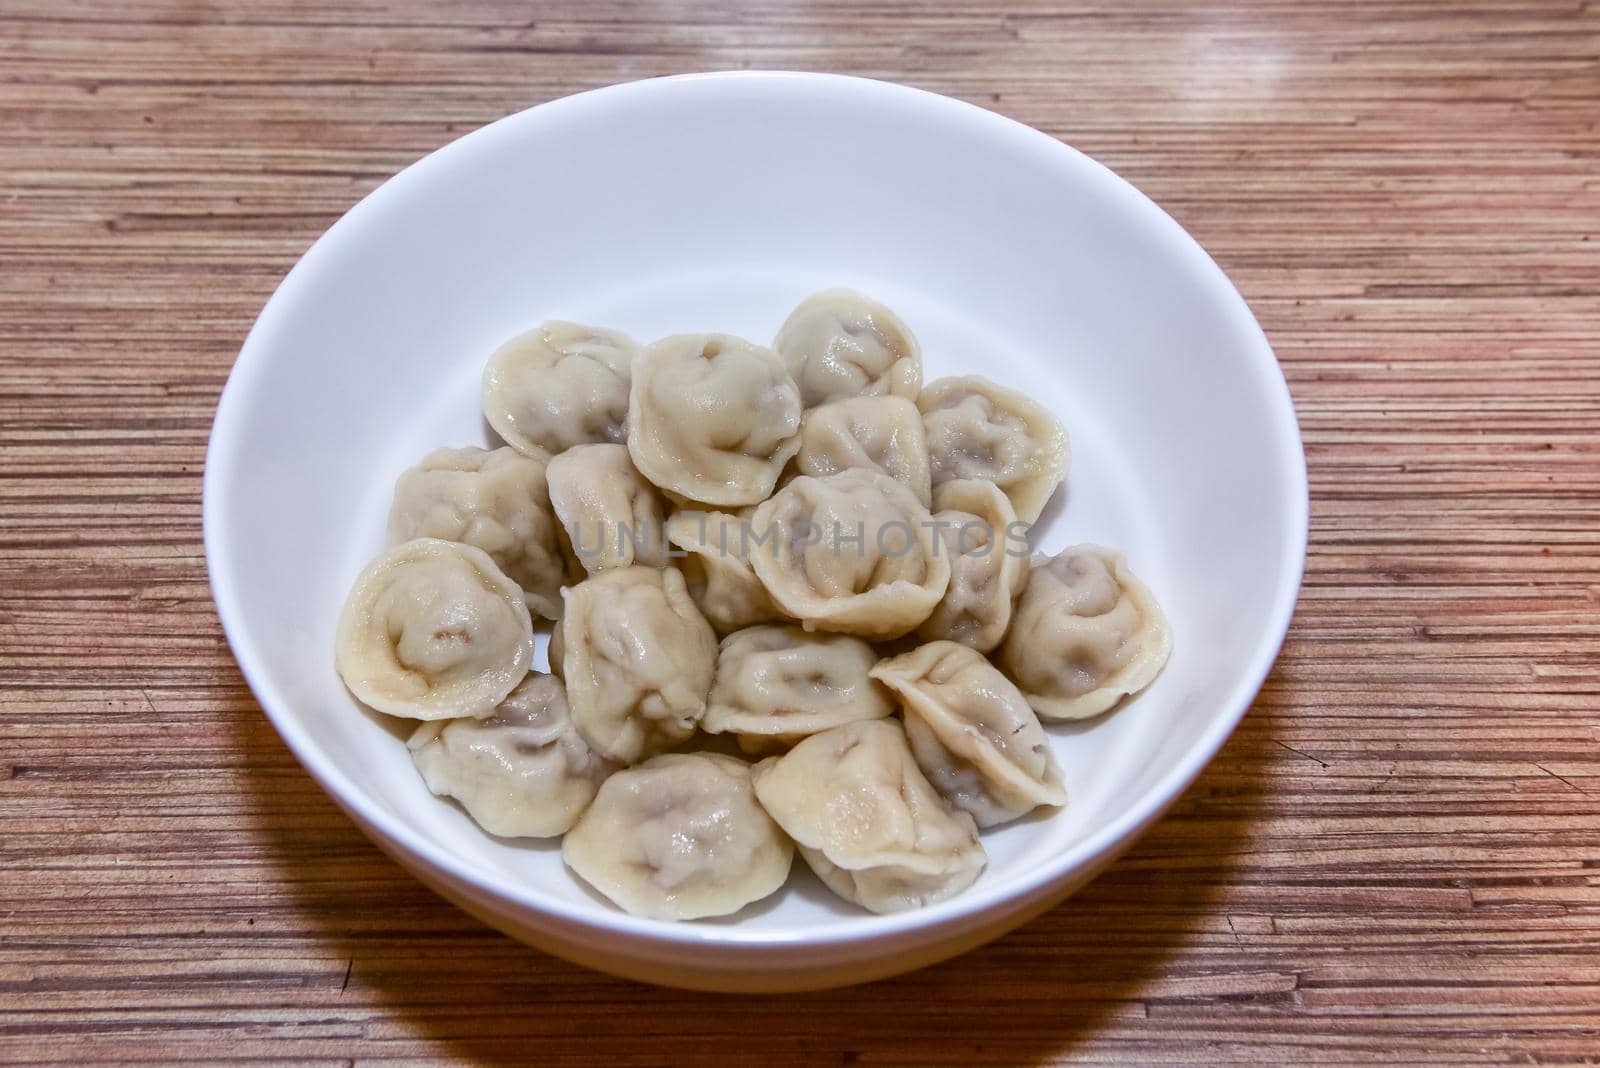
801	553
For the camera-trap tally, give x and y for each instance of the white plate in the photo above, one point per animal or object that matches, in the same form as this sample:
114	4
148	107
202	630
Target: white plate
717	202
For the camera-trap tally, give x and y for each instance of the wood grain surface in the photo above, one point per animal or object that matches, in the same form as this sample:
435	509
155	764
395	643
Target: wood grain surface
1397	857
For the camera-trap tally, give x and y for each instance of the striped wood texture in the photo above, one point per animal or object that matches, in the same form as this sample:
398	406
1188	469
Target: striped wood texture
1397	858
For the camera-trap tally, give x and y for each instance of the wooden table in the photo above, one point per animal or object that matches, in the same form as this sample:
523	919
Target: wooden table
1397	857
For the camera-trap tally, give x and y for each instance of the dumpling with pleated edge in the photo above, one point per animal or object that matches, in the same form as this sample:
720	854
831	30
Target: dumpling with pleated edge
854	552
777	684
637	658
867	821
988	550
1086	634
877	433
838	344
715	562
433	629
559	385
972	732
680	837
712	418
611	515
978	429
522	772
495	499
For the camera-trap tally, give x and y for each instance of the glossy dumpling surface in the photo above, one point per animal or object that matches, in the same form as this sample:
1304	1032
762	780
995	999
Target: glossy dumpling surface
715	562
612	516
988	552
853	552
712	418
977	429
524	771
434	630
559	385
496	500
1085	634
867	821
972	732
679	837
881	434
781	683
839	344
637	657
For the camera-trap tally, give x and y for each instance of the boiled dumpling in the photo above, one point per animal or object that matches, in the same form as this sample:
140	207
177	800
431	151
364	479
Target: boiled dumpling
611	515
973	733
878	433
637	657
866	819
853	552
712	418
434	630
496	500
680	837
1085	634
988	564
777	684
838	343
716	567
978	429
559	385
525	771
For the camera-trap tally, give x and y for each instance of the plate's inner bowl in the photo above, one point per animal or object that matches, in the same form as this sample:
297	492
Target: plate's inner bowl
692	210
